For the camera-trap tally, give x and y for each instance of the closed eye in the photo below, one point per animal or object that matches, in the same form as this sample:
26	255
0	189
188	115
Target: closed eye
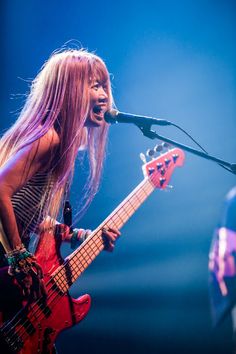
96	86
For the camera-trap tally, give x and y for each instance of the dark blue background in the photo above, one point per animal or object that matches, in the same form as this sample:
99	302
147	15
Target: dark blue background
169	59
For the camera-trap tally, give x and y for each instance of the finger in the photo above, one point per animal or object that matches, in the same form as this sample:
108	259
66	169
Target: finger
43	288
35	274
108	244
37	289
25	292
114	230
25	286
35	268
110	236
110	247
39	270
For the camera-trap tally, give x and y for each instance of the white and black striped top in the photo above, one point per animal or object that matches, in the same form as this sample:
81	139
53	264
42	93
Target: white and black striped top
28	204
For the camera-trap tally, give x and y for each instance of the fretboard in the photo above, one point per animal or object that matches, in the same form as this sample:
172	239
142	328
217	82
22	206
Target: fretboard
81	258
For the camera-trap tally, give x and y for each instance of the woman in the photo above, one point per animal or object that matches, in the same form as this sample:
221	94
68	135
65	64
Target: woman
64	112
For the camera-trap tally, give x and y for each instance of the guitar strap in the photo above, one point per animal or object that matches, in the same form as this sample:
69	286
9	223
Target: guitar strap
67	210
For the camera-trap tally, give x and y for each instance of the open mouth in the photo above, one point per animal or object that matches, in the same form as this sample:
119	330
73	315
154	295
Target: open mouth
99	112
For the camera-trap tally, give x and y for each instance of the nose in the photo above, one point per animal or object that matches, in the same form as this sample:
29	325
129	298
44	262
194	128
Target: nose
103	96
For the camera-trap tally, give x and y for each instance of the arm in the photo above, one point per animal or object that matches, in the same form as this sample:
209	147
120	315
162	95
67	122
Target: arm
13	175
73	236
228	219
222	265
78	236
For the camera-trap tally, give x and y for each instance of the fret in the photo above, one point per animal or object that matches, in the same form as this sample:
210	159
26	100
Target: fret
142	194
80	259
137	200
114	222
133	203
66	274
121	222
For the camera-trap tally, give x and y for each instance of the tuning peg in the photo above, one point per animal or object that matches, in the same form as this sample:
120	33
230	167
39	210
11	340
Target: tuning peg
151	170
167	162
142	157
159	166
175	157
150	153
162	181
158	148
165	145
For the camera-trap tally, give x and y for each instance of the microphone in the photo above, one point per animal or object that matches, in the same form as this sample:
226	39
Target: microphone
114	116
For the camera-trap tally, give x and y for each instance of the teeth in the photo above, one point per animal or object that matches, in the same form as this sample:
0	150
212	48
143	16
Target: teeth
97	109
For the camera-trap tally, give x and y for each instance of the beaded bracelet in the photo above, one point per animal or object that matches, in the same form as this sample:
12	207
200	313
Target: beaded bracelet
17	255
78	237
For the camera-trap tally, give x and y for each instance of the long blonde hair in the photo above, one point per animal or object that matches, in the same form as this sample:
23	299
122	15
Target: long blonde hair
59	98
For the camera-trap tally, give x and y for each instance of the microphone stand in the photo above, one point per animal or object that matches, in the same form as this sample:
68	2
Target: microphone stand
146	130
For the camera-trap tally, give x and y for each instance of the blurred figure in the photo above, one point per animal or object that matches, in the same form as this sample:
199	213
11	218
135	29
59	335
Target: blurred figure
222	264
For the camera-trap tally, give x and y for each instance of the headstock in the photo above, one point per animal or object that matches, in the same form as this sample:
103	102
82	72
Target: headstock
160	169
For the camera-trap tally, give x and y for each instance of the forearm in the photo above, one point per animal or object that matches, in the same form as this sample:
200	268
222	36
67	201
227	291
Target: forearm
73	236
9	234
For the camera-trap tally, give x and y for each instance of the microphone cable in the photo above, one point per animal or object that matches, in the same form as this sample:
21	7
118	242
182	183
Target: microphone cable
185	132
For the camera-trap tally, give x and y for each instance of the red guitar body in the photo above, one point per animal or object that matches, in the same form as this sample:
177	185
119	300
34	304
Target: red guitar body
58	315
35	327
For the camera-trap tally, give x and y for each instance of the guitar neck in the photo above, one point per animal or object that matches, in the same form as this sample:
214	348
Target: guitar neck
14	332
81	258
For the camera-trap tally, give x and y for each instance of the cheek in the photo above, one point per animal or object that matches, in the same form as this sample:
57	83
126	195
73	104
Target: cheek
93	97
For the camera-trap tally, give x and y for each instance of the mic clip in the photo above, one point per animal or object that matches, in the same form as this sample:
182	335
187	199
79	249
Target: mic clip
146	130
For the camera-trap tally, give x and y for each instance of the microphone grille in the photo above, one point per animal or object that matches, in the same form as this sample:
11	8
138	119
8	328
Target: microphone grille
111	115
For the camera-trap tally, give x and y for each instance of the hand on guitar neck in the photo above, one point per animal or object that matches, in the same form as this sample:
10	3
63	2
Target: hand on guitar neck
27	272
58	311
110	236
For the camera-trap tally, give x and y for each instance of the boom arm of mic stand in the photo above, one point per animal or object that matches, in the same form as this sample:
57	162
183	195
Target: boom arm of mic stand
146	130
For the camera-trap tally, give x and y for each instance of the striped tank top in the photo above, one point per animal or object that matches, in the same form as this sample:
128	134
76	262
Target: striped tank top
30	201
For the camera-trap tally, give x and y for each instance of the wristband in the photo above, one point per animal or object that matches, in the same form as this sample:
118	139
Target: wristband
78	237
17	255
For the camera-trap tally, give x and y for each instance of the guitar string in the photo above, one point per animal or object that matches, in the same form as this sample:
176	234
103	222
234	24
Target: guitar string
114	221
40	309
87	259
110	218
72	261
33	313
84	262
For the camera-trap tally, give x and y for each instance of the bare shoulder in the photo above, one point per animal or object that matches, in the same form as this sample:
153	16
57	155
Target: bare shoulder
45	149
26	162
50	140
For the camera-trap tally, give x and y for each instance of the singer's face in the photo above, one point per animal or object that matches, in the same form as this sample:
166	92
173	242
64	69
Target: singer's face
98	103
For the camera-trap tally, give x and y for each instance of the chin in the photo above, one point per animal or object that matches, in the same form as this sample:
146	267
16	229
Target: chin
95	120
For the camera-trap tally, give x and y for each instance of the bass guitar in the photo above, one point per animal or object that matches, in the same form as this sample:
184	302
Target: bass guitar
34	328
